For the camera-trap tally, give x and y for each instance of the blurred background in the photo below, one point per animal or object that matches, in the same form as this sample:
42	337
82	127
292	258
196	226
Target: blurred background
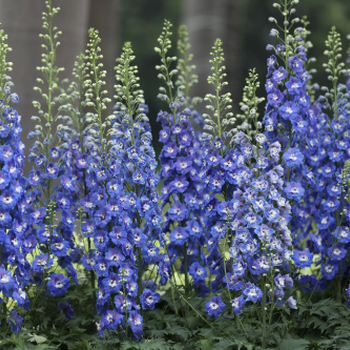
241	24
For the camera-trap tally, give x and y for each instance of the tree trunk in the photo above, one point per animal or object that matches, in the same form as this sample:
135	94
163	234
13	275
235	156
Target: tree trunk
104	16
22	21
206	21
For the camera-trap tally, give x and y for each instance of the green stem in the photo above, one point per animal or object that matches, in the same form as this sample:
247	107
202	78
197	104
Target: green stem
264	313
187	303
187	284
126	308
139	272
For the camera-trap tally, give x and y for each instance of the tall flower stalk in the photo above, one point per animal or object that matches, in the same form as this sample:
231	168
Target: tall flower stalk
16	239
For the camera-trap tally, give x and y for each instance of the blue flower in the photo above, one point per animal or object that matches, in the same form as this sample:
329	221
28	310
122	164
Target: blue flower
179	235
112	283
164	134
252	293
34	177
44	233
22	299
293	157
233	281
178	212
238	304
101	267
114	256
294	190
342	234
289	110
294	85
279	74
135	321
215	306
59	246
15	321
296	64
101	239
7	200
330	270
4	130
6	153
283	281
58	284
291	302
264	232
7	282
270	85
198	272
170	150
40	263
54	153
148	299
4	179
252	220
66	309
112	319
275	97
38	215
51	171
337	253
179	184
302	258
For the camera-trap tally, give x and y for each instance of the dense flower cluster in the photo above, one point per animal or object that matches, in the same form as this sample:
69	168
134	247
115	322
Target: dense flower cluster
236	221
184	195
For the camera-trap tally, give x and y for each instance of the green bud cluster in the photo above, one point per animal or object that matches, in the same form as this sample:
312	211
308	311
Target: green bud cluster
186	79
5	66
249	106
335	69
219	103
166	93
95	96
128	93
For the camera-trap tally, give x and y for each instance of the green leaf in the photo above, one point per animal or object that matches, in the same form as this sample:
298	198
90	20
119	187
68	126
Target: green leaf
223	344
180	331
177	347
294	344
207	332
156	333
154	344
205	344
44	347
127	345
242	343
37	338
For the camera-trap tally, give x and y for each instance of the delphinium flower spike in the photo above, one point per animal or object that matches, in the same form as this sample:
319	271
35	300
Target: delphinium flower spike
218	161
73	160
122	199
326	150
16	239
245	214
260	212
44	199
132	138
183	193
288	115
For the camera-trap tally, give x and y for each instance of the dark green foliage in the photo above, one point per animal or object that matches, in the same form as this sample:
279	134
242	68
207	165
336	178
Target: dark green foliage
324	324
